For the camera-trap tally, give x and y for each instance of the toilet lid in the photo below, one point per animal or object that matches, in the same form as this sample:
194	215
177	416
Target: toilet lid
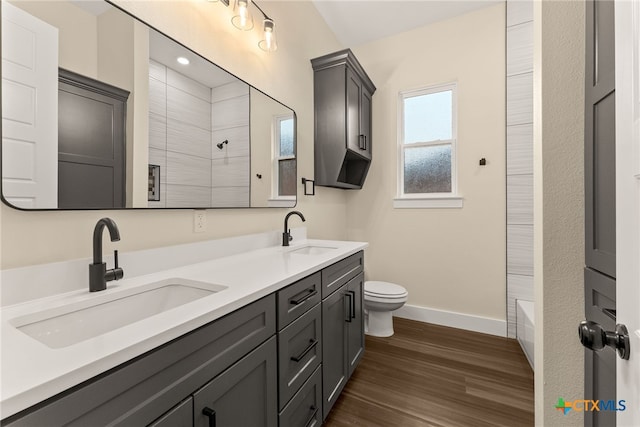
384	289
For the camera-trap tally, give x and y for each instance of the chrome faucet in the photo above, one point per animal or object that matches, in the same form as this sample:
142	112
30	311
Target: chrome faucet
98	273
286	236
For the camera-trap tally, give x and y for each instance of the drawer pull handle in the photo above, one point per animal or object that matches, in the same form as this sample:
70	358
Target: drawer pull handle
348	309
352	309
313	415
211	414
312	344
310	292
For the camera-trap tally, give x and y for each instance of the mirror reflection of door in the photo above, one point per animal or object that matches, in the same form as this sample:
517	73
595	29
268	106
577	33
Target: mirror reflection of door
29	137
91	143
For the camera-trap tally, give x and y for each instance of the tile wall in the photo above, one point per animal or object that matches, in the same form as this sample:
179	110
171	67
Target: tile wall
230	165
519	156
186	121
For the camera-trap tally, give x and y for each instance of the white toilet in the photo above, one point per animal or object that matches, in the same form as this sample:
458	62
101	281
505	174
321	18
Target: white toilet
380	299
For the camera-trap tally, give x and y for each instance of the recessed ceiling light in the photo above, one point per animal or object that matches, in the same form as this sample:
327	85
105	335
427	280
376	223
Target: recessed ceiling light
182	60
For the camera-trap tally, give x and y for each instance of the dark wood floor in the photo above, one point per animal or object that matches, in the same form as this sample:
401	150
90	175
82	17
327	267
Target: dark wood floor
429	375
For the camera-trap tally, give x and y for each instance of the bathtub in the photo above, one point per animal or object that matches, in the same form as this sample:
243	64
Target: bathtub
525	328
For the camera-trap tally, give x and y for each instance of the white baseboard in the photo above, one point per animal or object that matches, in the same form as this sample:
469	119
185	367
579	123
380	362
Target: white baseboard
452	319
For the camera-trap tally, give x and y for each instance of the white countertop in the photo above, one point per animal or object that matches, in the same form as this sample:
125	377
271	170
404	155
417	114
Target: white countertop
32	372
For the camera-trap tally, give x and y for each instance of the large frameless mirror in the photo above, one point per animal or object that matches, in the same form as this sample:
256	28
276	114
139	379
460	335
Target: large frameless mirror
101	111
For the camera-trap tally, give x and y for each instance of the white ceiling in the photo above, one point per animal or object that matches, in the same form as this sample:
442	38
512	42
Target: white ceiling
356	22
166	51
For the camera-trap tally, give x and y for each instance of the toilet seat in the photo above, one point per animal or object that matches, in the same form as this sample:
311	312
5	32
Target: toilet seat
384	291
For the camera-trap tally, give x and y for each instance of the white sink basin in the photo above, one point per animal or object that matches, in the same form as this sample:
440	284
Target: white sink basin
312	250
70	324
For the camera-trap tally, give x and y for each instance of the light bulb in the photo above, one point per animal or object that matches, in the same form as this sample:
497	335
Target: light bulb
269	44
242	19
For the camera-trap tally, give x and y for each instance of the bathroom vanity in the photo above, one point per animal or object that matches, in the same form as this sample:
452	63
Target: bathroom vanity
272	343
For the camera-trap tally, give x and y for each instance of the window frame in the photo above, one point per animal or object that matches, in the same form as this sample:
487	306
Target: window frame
450	199
276	158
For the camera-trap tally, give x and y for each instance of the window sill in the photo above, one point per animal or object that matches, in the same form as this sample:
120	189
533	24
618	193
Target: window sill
437	202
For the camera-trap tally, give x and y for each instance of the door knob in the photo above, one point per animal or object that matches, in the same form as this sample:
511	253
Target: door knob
595	338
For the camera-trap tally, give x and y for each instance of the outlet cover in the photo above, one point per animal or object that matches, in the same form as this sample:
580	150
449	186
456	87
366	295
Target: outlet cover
199	221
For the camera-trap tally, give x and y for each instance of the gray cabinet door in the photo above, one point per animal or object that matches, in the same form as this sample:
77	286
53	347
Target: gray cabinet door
355	327
365	121
179	416
335	367
243	395
358	116
354	94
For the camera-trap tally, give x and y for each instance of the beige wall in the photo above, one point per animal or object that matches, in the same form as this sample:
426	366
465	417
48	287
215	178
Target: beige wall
123	51
38	237
448	259
558	206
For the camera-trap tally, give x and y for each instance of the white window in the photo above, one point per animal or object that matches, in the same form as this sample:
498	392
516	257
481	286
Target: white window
284	158
427	148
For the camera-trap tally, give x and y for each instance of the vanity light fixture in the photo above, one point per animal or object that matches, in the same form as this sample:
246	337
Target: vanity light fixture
242	19
268	44
182	60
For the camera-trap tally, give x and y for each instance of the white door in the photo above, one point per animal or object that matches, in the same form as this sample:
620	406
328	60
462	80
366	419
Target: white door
627	34
29	110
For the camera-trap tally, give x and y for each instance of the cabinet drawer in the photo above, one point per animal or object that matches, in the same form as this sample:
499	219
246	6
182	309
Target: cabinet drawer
243	395
299	352
336	275
305	409
297	299
170	373
180	416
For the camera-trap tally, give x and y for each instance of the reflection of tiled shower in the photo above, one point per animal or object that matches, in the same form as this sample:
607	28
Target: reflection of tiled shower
187	121
519	164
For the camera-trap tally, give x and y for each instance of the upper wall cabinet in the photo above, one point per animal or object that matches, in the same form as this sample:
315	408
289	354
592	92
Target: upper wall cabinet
343	139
